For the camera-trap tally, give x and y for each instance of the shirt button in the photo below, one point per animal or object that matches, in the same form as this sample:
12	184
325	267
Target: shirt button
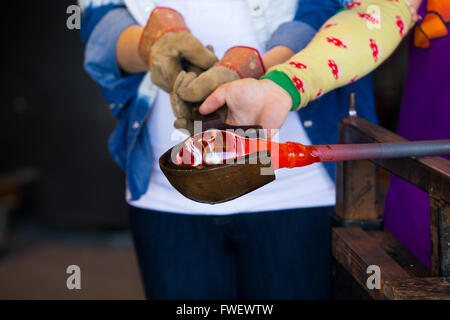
308	123
111	106
256	8
120	105
135	125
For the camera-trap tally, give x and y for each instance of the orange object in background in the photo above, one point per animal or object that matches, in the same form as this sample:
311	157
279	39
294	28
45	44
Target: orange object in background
434	23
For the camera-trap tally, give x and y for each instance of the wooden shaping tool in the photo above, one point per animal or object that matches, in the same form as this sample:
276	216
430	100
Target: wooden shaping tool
217	183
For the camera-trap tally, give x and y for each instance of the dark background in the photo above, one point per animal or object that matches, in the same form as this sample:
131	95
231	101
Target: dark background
54	119
61	195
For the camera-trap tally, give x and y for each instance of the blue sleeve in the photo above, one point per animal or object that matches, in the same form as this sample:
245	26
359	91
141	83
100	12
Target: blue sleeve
310	16
101	28
315	13
293	34
91	17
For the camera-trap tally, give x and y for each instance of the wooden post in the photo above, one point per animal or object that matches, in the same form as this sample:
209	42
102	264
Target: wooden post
358	203
356	185
356	194
440	237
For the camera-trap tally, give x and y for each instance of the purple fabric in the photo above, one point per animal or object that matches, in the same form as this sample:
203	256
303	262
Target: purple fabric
425	114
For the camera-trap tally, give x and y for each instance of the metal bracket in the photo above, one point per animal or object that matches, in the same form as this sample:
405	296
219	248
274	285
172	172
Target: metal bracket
352	104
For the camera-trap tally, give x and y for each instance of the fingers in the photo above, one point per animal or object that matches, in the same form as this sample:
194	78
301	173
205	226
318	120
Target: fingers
165	70
169	55
180	108
193	50
210	48
202	86
183	79
199	88
184	124
214	101
191	68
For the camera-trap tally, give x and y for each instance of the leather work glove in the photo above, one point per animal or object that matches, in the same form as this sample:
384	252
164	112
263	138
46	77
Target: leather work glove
168	47
184	111
237	63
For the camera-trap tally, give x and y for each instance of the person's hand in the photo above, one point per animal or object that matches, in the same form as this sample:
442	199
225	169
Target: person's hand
238	62
198	88
168	47
184	110
251	102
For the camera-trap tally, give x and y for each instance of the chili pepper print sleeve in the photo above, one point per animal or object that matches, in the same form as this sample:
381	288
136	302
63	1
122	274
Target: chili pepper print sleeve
348	46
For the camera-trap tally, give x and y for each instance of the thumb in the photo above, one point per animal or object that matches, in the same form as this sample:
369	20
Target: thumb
193	50
216	100
201	87
198	88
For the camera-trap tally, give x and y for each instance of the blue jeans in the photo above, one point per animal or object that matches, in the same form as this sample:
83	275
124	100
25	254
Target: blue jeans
265	255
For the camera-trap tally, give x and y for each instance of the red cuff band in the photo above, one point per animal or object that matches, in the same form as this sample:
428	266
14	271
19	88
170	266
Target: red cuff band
162	21
245	61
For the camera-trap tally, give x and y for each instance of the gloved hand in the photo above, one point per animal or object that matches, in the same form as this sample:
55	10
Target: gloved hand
168	47
237	63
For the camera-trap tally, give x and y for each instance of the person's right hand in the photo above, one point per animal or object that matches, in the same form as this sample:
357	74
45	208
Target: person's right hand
168	47
251	102
238	62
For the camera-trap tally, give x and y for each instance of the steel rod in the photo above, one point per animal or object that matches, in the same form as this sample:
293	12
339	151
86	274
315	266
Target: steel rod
381	150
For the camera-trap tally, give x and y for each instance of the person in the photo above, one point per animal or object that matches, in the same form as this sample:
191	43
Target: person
338	55
423	113
270	244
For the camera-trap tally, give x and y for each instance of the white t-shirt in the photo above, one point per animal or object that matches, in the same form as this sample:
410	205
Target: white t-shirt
224	24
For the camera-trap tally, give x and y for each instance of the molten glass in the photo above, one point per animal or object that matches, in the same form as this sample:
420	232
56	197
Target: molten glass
217	147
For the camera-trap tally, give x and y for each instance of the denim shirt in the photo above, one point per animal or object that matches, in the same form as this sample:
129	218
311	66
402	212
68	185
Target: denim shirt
131	96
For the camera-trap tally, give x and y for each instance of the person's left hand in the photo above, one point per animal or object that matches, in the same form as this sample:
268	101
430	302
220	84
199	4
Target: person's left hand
251	102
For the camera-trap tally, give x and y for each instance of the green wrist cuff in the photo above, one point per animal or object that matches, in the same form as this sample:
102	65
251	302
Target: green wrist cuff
283	81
